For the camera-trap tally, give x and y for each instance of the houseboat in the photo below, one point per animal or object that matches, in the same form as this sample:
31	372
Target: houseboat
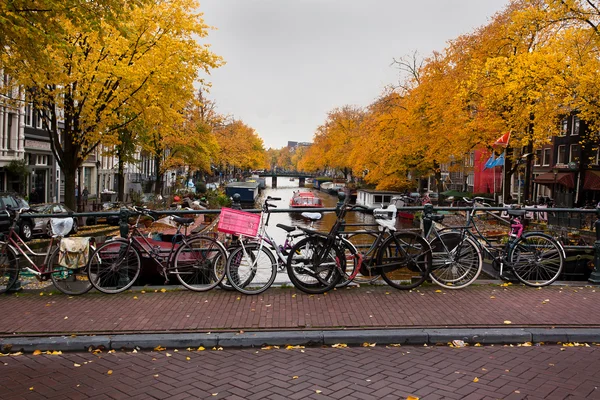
382	198
248	191
333	188
305	200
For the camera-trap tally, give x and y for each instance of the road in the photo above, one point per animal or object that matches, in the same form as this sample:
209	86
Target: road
487	372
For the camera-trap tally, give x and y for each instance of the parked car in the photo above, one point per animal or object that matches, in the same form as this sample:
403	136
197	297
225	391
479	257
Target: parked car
14	201
42	225
110	220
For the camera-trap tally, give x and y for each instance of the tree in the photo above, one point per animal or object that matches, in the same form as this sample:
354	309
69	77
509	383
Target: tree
101	80
240	147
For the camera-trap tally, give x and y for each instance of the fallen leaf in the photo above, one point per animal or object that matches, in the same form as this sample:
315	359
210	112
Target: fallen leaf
159	348
66	317
135	297
294	347
163	290
109	372
201	348
476	379
395	345
168	354
412	398
438	291
339	345
37	352
365	344
507	322
31	388
295	377
187	358
317	391
76	365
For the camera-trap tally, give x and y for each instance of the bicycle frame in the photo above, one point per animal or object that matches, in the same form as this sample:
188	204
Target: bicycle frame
16	244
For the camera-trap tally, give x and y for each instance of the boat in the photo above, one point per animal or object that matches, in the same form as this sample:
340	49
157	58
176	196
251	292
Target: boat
248	191
305	200
403	201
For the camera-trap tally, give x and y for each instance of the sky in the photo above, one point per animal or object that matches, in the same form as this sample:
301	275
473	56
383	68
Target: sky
290	62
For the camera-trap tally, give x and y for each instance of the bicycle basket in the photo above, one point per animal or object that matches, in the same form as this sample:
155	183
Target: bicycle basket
238	222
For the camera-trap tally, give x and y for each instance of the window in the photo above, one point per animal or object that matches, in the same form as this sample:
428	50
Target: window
597	157
560	159
546	157
576	124
574	153
377	198
28	111
41	160
538	158
9	131
38	120
564	127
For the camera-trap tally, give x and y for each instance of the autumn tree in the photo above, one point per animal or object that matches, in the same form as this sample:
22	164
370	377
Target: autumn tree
240	147
99	81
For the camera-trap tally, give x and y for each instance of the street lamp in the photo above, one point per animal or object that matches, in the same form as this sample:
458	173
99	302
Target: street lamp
98	164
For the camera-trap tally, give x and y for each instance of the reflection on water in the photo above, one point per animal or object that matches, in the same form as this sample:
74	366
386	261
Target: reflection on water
285	191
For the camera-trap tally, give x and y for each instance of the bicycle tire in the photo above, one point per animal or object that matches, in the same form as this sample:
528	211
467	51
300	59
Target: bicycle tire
363	241
411	257
199	264
457	260
114	266
9	268
351	263
70	281
251	269
536	259
310	275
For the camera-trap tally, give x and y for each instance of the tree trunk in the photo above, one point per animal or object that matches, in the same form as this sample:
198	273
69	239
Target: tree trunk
70	187
158	186
121	180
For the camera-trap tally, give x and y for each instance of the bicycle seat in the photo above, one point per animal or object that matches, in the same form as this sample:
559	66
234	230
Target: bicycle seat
183	221
436	217
286	228
313	216
516	213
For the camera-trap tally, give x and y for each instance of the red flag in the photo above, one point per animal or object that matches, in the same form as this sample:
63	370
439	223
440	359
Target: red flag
503	140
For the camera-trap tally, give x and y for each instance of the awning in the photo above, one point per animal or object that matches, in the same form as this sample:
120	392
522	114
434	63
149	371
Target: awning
562	178
591	181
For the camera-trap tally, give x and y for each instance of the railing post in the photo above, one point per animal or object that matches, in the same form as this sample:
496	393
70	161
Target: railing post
427	222
124	222
595	275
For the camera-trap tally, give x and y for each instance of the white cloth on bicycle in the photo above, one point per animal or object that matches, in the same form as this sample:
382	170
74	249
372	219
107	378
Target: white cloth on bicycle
74	252
61	226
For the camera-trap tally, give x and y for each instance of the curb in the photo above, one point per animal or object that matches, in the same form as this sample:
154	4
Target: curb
427	336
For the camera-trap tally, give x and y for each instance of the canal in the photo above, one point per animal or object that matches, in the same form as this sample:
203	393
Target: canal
285	190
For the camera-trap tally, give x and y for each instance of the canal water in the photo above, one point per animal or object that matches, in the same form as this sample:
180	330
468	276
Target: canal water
285	190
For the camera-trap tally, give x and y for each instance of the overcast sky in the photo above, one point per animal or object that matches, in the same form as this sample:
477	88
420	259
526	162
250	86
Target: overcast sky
289	62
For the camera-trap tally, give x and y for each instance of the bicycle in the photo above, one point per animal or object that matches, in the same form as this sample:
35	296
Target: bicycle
252	267
397	256
69	279
535	258
197	261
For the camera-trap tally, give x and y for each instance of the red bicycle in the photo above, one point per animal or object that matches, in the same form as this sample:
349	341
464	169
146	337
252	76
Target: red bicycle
68	278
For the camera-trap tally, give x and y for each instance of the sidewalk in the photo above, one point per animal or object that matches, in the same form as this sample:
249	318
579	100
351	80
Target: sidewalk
287	316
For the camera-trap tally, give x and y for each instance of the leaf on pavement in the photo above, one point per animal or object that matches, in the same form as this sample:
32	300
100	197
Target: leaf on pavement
37	352
339	345
159	348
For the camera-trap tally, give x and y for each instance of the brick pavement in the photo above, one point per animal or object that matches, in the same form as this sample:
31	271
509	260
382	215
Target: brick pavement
285	308
489	372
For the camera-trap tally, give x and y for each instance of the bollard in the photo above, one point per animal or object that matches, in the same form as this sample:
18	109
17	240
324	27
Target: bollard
340	203
124	222
595	275
236	205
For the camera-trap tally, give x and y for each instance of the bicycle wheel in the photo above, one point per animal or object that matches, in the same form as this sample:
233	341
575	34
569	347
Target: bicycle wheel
9	268
200	264
251	268
114	266
536	259
363	241
405	260
457	260
351	258
310	273
71	281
